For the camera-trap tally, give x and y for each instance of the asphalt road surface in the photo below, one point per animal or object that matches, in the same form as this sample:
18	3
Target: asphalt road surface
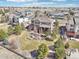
5	54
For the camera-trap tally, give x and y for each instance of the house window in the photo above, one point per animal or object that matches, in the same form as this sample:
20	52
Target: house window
45	23
72	25
32	21
77	30
37	22
71	29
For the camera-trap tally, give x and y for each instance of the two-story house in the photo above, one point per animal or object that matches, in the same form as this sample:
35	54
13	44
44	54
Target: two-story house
42	24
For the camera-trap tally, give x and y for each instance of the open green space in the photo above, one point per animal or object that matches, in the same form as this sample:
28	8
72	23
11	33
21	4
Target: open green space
74	44
4	26
27	44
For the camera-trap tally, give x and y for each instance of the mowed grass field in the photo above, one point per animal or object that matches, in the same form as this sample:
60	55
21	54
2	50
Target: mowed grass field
27	44
74	44
4	26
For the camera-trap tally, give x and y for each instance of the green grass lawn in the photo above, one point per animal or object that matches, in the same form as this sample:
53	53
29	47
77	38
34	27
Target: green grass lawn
74	44
27	44
4	26
30	45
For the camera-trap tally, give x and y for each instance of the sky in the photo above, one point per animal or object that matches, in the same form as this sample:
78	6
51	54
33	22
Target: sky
41	3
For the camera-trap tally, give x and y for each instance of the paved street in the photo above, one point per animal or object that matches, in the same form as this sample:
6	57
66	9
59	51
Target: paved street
5	54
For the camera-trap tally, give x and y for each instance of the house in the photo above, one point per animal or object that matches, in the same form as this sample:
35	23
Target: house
56	15
77	26
13	19
70	28
43	24
73	26
29	13
19	19
59	16
26	21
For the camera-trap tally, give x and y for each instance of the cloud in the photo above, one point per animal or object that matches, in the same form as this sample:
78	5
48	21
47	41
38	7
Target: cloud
34	0
16	0
58	0
50	4
21	0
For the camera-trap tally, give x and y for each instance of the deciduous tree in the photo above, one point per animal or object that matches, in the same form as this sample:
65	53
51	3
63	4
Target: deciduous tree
3	35
42	51
18	29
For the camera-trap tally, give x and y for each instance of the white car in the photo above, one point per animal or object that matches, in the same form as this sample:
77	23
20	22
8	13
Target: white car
76	39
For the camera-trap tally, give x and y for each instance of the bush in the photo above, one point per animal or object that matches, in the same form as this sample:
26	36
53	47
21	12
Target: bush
3	35
10	30
22	25
66	45
18	29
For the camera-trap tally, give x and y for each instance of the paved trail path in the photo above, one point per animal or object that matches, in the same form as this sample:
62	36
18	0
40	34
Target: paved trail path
5	54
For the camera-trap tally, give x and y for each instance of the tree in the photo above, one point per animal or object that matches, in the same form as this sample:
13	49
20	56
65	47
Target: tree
18	29
42	51
23	27
36	13
53	34
59	49
6	11
56	23
68	17
59	43
66	45
59	53
45	12
1	12
2	19
56	29
10	30
3	35
71	12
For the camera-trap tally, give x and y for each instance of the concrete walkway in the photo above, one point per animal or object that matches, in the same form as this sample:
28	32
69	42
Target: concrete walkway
74	55
5	54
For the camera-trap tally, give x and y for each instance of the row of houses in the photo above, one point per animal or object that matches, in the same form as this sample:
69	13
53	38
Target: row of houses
20	17
45	23
39	24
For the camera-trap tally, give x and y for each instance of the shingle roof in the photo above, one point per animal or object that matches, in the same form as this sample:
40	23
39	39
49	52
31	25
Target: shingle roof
44	19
